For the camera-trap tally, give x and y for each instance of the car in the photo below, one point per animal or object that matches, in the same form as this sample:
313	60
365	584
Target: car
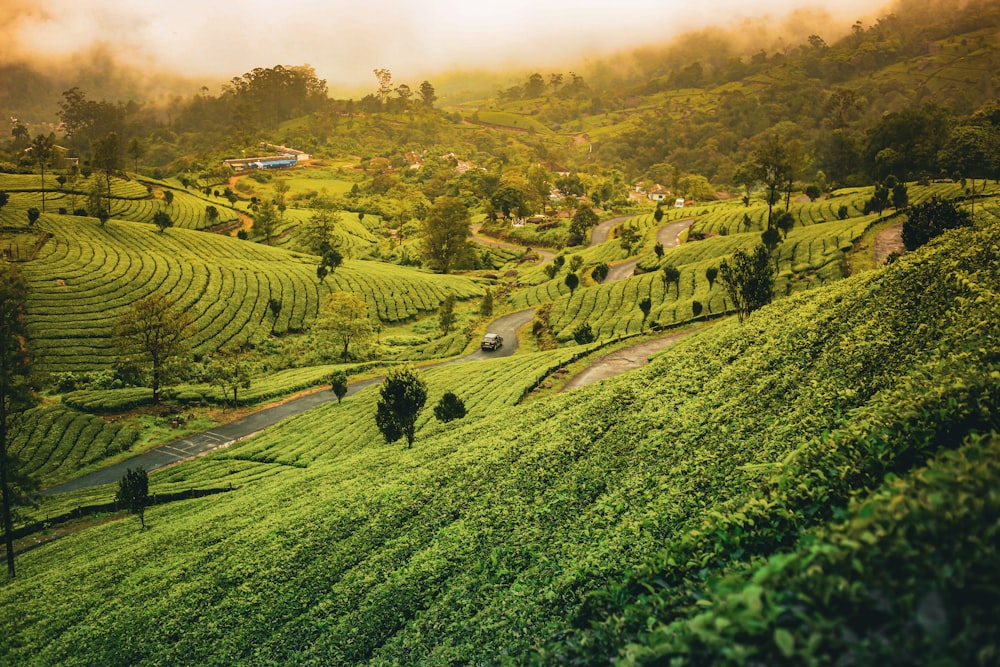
492	341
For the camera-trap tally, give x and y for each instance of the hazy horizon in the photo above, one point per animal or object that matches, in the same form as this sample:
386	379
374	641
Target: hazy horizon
216	40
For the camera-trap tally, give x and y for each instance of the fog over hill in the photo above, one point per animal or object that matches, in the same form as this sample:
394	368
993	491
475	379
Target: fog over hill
142	50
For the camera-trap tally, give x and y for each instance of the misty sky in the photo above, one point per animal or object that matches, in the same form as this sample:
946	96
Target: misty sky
344	40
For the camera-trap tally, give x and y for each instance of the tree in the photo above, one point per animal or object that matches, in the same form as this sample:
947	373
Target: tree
212	214
338	384
33	215
658	249
972	151
449	408
4	198
576	263
930	219
486	306
427	94
318	230
41	154
153	332
645	305
446	313
266	219
384	78
401	399
162	220
168	197
345	319
15	394
600	272
572	281
749	280
133	493
107	159
135	151
711	273
784	222
231	369
629	236
671	274
771	167
329	261
281	188
584	220
446	233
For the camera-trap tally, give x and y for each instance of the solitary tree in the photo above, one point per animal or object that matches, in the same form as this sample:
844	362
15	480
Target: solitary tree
446	313
231	369
133	493
645	305
338	384
671	274
449	408
107	159
572	281
168	197
749	280
15	395
583	222
486	305
33	215
329	260
41	154
600	272
446	233
401	399
583	334
266	219
345	320
711	273
162	220
153	332
135	151
427	94
212	214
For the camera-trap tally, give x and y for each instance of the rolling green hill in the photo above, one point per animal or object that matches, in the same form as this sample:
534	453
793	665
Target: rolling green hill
572	527
86	275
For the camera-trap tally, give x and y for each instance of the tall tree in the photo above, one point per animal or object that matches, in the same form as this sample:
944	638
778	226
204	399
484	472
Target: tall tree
427	94
446	233
107	159
15	395
266	219
401	399
446	313
135	151
41	154
153	332
749	280
345	320
772	166
232	368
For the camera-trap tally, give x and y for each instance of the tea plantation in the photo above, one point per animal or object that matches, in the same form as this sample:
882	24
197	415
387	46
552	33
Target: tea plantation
817	485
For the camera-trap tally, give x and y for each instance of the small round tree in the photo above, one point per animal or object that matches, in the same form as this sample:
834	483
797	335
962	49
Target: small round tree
600	272
401	399
33	215
162	220
583	334
572	281
450	407
338	384
133	493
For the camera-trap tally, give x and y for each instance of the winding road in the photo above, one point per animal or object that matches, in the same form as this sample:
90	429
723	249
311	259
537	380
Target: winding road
506	326
667	236
226	434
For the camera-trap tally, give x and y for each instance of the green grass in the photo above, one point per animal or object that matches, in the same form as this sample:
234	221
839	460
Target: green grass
86	276
570	527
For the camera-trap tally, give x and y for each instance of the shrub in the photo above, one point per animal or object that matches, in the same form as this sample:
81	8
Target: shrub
583	335
930	219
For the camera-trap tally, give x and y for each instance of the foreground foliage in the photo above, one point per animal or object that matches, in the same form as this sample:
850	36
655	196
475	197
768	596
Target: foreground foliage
620	519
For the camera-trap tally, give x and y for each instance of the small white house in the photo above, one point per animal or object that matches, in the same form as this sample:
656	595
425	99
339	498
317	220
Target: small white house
679	202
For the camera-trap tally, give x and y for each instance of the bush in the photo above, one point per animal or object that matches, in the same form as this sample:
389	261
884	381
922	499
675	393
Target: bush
931	219
583	334
450	407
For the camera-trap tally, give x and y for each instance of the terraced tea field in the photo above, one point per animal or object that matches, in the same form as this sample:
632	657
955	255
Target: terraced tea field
87	275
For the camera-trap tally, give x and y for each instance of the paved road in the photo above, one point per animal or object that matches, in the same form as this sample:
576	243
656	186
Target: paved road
198	443
666	236
600	232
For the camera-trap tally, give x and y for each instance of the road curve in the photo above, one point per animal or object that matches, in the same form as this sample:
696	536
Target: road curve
667	236
220	436
620	361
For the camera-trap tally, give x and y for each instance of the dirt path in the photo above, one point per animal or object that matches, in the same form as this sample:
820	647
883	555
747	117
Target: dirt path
623	360
888	241
543	255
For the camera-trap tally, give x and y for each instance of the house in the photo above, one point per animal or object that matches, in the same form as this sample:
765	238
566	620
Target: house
658	193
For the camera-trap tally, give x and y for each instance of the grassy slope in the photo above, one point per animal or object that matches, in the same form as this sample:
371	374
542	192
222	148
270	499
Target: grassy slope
86	276
486	538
